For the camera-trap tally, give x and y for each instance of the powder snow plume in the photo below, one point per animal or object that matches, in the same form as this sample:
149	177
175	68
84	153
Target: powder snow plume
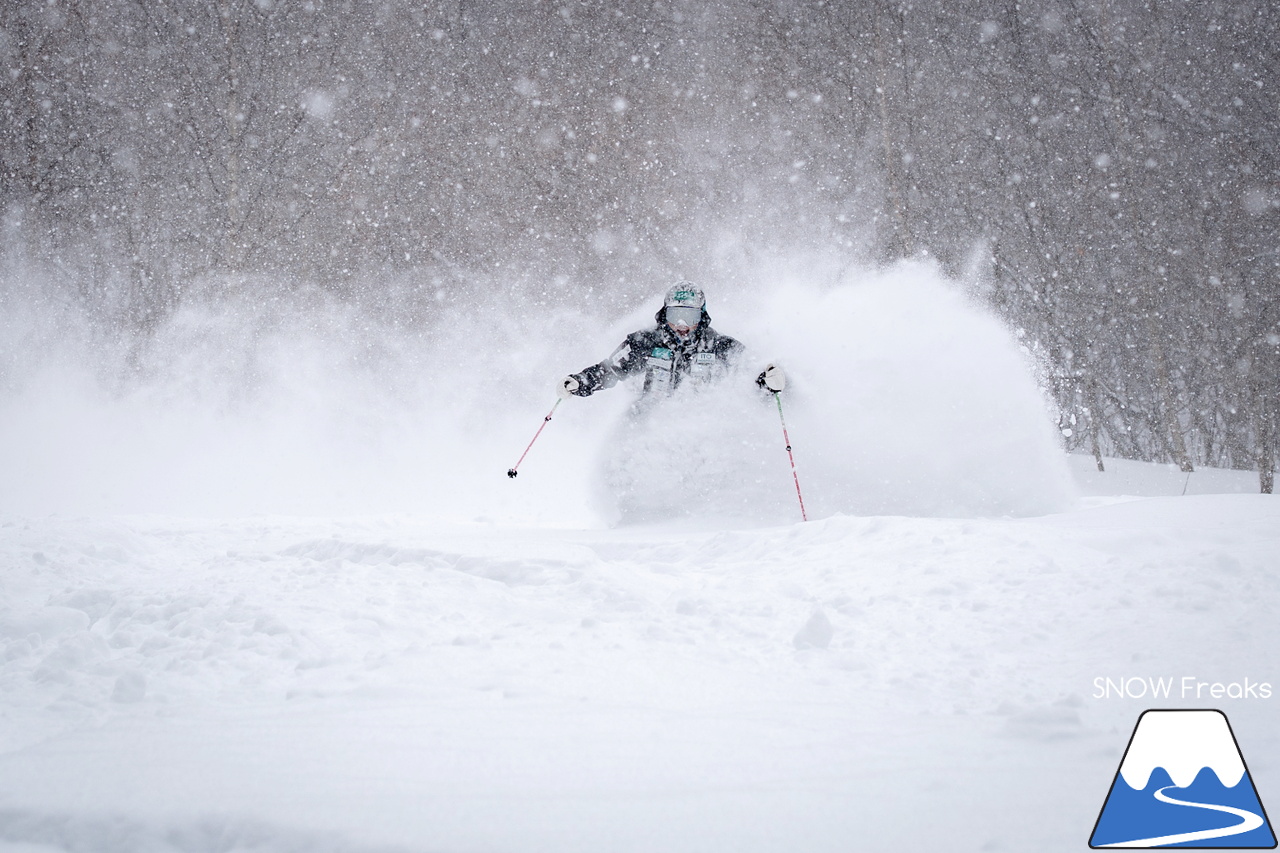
907	399
904	399
276	401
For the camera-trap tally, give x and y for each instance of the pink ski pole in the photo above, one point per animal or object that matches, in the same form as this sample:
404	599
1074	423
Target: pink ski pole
787	439
511	472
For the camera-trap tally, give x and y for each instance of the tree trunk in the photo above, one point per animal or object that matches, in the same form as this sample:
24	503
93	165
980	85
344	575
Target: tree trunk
1266	402
1168	407
233	256
1094	407
889	45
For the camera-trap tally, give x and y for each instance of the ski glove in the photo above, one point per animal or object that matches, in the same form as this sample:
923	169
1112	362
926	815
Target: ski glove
567	387
772	379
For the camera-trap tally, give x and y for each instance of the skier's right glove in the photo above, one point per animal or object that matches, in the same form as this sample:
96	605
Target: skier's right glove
568	387
772	379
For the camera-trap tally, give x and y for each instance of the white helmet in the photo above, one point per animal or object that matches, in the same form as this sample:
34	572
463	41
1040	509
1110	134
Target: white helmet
684	307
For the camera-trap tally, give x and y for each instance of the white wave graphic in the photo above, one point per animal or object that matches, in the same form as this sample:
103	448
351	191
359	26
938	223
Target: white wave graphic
1248	822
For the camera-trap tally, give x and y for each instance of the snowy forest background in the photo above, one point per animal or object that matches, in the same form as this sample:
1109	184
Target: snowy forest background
1105	175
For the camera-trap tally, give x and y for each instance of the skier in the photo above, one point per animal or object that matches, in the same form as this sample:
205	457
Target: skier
681	348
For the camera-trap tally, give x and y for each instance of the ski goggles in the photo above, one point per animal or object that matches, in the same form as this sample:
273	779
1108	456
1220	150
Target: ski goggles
683	315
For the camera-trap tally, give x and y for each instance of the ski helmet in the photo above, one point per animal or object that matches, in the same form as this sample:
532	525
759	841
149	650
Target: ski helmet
684	306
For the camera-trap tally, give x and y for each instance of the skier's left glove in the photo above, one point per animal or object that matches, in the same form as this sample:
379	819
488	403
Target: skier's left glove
772	379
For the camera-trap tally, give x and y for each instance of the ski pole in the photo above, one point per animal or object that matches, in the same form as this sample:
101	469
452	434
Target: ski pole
511	472
787	439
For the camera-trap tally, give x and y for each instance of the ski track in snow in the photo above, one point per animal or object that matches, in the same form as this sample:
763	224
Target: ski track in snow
776	688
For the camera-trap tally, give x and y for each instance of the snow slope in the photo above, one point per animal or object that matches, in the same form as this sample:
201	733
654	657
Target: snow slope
398	683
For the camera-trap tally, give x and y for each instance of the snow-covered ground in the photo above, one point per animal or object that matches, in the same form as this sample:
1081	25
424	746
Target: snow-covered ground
272	591
397	683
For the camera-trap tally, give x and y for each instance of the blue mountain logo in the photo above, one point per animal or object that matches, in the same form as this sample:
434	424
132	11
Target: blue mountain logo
1183	783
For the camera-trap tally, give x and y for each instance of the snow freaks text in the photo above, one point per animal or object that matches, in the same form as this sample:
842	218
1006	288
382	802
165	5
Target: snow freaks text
1186	687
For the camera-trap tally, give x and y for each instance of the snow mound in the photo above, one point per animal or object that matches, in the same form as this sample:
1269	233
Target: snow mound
907	399
709	453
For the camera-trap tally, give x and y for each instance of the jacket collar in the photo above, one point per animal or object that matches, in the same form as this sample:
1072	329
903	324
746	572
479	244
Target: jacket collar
675	342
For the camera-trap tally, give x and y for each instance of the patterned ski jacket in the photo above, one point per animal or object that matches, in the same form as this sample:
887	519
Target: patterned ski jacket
665	359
